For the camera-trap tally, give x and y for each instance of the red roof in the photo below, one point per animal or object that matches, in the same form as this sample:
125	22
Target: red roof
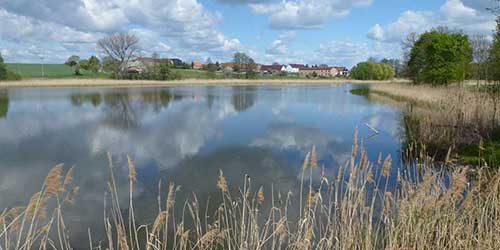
298	66
317	68
271	67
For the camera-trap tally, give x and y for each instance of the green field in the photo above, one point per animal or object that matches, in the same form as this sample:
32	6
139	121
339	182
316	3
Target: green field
52	71
58	71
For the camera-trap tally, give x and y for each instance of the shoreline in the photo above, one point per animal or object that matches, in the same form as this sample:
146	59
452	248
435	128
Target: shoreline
187	82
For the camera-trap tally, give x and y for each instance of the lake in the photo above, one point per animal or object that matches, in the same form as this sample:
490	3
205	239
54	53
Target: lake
183	135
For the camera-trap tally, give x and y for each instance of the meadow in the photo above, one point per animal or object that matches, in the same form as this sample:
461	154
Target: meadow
51	71
62	71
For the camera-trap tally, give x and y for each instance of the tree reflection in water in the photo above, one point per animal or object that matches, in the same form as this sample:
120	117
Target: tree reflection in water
244	97
4	103
124	108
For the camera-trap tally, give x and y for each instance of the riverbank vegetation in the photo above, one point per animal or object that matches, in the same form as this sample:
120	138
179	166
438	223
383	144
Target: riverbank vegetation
447	119
364	205
442	56
372	70
5	73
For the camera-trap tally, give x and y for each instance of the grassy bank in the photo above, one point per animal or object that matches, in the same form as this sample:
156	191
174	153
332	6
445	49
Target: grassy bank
355	209
444	118
147	83
50	71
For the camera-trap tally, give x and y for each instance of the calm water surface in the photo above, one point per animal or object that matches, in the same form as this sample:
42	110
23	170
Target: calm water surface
179	134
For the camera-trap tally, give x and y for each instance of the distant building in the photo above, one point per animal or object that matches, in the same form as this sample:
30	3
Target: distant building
176	61
318	71
142	64
289	69
274	69
342	71
197	65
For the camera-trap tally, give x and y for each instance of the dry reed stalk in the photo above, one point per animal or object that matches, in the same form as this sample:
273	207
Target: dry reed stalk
353	212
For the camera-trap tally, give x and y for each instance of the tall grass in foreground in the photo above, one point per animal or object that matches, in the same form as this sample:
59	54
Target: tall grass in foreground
355	209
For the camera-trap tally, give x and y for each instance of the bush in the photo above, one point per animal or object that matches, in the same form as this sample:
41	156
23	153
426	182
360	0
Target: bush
3	69
7	75
12	76
440	57
372	71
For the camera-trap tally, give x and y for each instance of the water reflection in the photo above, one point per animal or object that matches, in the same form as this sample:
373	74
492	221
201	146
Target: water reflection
244	97
182	134
4	103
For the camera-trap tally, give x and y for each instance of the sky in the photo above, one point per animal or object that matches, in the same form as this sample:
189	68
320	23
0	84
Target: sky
334	32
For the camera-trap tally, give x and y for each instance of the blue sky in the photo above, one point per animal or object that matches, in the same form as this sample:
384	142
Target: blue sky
335	32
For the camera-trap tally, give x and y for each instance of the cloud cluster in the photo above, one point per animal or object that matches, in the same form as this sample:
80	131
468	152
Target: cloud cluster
469	16
305	14
184	26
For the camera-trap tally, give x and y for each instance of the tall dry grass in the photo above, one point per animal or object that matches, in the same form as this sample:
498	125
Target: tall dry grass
448	116
355	209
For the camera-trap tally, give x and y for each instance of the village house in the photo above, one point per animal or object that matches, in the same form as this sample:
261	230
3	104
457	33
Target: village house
318	71
291	68
342	71
274	69
197	65
141	64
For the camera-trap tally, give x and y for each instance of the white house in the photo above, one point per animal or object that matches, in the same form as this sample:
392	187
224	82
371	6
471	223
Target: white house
289	69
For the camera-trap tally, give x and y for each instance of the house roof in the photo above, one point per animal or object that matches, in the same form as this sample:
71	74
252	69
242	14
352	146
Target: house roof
271	67
316	68
197	63
298	66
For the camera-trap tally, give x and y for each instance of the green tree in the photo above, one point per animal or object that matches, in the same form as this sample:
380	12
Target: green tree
74	62
94	64
242	59
84	64
440	57
494	59
372	70
3	69
4	103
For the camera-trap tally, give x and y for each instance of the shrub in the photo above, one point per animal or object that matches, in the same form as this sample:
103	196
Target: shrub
440	57
372	71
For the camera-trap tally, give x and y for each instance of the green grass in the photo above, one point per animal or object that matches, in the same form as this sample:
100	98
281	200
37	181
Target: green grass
196	74
52	71
489	153
361	91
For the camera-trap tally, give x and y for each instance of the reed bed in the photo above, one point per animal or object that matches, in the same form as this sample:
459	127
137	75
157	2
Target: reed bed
445	117
357	208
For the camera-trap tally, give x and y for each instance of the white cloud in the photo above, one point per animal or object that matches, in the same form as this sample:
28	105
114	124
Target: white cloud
172	26
344	52
376	32
305	14
19	28
242	1
288	35
479	5
470	18
278	47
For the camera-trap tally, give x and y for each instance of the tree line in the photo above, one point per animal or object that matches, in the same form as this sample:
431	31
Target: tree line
373	70
6	74
441	56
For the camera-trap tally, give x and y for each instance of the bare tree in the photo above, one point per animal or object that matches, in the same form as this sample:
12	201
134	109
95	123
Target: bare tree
407	44
121	48
480	55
